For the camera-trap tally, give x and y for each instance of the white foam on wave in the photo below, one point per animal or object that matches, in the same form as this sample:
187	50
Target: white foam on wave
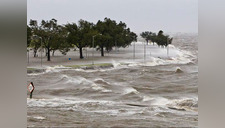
181	57
49	69
55	68
129	90
35	74
61	102
159	57
75	80
81	80
102	80
160	101
188	104
98	87
147	98
115	64
39	117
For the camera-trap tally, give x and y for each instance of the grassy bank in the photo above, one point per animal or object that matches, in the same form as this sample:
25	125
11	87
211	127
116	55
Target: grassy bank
87	66
34	70
90	66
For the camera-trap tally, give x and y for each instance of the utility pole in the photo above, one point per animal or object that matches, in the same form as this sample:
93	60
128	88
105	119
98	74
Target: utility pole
86	52
134	51
115	46
41	50
167	47
28	55
144	52
93	37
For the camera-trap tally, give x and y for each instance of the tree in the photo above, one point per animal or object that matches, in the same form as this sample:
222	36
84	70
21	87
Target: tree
47	32
35	45
53	36
153	38
80	35
113	34
106	29
163	40
32	41
146	35
59	41
149	36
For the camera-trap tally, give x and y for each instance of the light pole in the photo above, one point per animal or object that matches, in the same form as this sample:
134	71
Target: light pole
167	47
144	52
134	51
93	41
115	46
41	50
28	50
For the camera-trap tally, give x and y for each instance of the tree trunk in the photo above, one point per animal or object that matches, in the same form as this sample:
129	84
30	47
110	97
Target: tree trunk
81	53
35	53
102	51
48	54
53	52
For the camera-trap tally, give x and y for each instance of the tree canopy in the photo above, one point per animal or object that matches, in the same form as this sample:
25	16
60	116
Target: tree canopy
80	35
51	35
160	38
104	34
113	35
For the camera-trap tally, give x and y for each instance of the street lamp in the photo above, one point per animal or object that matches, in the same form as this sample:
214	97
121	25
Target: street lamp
41	50
134	51
144	52
93	38
28	50
115	46
167	50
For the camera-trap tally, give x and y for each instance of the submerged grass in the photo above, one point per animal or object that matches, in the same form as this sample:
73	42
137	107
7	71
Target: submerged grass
34	70
90	65
31	69
85	66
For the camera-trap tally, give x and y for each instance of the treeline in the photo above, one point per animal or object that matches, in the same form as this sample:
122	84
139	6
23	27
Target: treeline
160	39
104	34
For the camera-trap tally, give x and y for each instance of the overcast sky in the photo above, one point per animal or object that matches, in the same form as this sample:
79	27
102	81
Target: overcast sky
139	15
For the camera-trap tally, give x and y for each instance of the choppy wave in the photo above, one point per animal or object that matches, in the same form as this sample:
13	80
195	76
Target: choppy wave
60	102
178	70
129	90
178	57
186	104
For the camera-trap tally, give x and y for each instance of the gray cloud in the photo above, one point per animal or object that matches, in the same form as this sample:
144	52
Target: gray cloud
140	15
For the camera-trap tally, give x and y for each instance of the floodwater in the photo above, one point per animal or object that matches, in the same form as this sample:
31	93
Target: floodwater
153	92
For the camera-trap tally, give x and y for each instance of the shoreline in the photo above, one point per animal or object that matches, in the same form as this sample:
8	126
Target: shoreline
85	67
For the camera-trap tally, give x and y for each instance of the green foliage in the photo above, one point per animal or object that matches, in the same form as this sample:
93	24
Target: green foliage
106	34
113	34
52	35
80	35
29	34
163	40
160	38
35	45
